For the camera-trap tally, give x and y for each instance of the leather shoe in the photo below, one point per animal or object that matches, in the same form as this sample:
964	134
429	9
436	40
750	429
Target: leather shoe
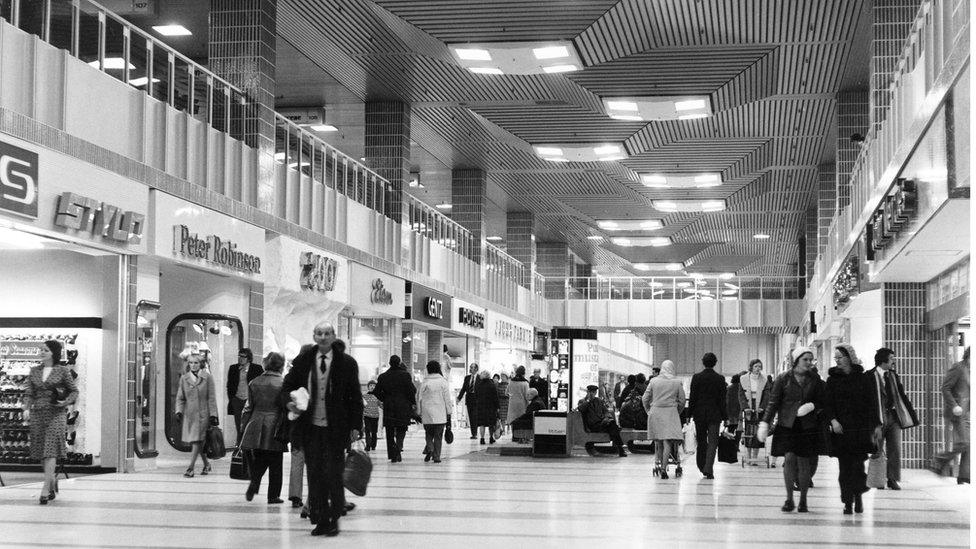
348	506
296	502
962	480
249	494
710	476
329	528
893	484
275	501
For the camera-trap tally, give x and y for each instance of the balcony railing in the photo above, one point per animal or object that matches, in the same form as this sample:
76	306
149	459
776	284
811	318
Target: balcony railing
675	288
430	223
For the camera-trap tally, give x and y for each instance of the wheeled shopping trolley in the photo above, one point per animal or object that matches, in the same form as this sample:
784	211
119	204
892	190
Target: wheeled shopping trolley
750	425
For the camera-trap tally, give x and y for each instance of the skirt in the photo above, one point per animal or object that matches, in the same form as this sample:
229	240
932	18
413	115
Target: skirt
664	423
796	440
48	426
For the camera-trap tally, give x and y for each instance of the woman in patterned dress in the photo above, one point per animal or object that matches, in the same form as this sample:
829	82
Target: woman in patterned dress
196	403
50	389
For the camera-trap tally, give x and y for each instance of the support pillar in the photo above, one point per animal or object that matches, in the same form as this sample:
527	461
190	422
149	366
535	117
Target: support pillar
905	332
552	262
388	150
520	243
892	25
826	204
469	199
852	118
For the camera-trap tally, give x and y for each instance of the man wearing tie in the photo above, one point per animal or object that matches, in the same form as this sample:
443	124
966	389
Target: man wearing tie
896	411
334	417
467	388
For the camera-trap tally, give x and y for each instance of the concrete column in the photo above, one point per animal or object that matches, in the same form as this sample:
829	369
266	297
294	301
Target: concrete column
242	51
468	199
852	118
388	149
520	243
892	25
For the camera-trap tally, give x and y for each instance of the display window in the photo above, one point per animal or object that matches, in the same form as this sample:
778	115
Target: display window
146	320
369	341
218	338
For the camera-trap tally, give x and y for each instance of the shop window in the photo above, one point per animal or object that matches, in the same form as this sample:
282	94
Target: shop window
217	338
146	319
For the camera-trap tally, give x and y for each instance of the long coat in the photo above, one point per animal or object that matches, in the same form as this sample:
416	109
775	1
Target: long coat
518	398
486	408
196	399
395	389
848	398
262	412
344	401
745	389
664	399
434	400
47	420
707	399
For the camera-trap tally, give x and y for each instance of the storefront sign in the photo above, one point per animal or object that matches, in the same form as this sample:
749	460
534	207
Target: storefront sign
101	219
504	330
375	293
430	306
18	180
470	318
434	308
380	295
213	249
319	272
894	213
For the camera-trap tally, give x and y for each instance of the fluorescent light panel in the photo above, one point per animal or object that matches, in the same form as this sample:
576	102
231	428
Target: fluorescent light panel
655	241
323	128
549	57
494	238
688	205
630	225
112	64
444	206
172	30
485	70
473	54
648	108
581	152
657	267
680	180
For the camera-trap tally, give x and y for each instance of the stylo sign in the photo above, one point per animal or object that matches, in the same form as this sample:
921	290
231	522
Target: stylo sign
18	180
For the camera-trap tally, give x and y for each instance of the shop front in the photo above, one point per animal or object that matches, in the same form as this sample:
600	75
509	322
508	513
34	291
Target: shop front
508	344
430	317
464	341
67	239
370	324
201	290
305	286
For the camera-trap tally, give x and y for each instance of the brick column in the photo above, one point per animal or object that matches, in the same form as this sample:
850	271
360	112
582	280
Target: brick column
388	149
520	243
132	355
255	318
242	51
552	260
852	118
469	200
809	241
826	204
892	25
905	332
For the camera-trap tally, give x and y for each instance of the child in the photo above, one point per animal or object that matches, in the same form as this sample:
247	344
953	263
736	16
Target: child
371	415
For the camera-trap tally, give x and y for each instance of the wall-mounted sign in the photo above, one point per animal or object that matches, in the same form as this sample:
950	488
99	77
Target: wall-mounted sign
895	212
374	293
430	306
319	272
471	318
213	249
18	180
434	308
468	319
380	294
100	219
505	330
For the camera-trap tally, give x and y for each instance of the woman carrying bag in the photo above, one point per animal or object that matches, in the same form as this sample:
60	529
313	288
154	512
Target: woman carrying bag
435	405
264	426
196	410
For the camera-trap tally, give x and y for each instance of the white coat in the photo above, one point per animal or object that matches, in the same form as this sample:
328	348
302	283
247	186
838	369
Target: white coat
434	400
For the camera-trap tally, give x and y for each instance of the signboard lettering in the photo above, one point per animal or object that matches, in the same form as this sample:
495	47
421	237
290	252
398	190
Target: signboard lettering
213	249
99	218
894	213
434	307
380	294
319	272
18	180
470	318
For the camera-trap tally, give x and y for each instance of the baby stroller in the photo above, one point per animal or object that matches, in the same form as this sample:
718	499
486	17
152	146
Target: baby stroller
673	459
750	423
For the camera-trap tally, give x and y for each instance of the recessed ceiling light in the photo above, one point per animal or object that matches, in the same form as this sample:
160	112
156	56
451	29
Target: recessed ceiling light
692	116
708	178
729	292
642	266
653	179
628	117
494	238
727	276
736	331
549	151
612	158
606	149
655	241
681	180
172	30
608	225
622	106
280	156
688	205
550	52
112	64
323	128
555	159
624	331
713	206
141	81
690	105
473	54
581	152
560	68
594	237
444	206
760	236
730	286
674	267
485	70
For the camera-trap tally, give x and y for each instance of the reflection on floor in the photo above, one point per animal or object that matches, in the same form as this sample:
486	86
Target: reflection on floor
478	500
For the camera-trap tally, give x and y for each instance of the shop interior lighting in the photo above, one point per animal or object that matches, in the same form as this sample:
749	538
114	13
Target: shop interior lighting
172	30
323	128
651	108
681	181
444	206
736	331
655	241
494	238
671	206
760	236
630	225
19	239
112	64
581	152
548	57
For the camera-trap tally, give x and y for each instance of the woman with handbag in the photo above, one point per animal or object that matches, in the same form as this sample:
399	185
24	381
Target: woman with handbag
487	410
434	402
855	425
50	389
265	428
196	410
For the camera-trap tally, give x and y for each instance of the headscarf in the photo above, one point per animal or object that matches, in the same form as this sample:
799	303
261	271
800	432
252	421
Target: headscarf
667	369
849	351
796	353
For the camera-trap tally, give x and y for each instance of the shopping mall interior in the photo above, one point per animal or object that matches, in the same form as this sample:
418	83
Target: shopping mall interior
590	194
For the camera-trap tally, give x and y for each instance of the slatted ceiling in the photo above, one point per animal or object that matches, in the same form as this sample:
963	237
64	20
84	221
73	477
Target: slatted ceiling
811	68
757	81
309	39
692	155
665	330
563	124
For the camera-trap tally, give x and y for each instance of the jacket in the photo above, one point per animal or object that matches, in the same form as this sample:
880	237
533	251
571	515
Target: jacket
262	413
594	413
234	377
706	401
542	385
42	393
196	399
788	395
467	388
525	421
904	411
848	399
765	391
955	389
486	403
518	398
395	389
343	403
434	400
733	407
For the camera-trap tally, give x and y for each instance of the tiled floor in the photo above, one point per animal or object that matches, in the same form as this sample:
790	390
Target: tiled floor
477	500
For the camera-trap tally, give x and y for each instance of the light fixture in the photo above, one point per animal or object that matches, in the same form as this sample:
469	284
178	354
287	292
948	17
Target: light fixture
549	151
555	69
688	205
414	181
323	128
630	225
172	30
296	164
684	284
20	239
760	236
655	241
678	180
674	267
112	64
726	276
594	237
624	331
141	81
485	70
280	156
736	331
606	149
656	293
473	54
580	152
494	238
642	267
692	116
730	286
538	57
650	108
444	206
550	52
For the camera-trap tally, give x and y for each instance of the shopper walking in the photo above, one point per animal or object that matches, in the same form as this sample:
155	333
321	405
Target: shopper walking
955	396
518	396
733	408
50	389
706	404
796	402
196	410
664	401
434	403
895	411
486	414
503	398
239	376
855	423
332	419
467	393
754	393
371	415
262	415
395	389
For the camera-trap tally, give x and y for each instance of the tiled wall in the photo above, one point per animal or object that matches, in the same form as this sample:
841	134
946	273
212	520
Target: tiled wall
131	357
852	118
942	343
255	318
892	25
520	244
468	201
905	333
810	237
388	148
826	204
552	260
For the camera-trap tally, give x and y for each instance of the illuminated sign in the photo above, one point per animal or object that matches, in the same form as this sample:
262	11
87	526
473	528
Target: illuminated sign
18	180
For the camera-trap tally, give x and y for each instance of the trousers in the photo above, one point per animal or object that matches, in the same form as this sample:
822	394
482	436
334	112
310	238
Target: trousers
297	473
960	447
852	477
237	409
435	437
325	451
394	440
891	432
706	435
266	460
371	426
472	415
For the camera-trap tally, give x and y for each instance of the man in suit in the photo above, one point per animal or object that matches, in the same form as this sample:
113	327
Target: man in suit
706	405
955	395
894	409
467	388
333	418
238	377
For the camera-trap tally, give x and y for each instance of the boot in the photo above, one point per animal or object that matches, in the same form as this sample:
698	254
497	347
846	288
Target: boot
858	504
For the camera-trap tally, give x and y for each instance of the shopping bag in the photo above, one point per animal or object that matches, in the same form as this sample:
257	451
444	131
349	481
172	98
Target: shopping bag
728	449
239	469
877	471
214	444
689	432
448	435
358	469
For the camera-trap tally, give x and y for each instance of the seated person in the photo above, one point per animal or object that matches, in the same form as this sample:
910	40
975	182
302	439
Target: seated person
598	419
524	421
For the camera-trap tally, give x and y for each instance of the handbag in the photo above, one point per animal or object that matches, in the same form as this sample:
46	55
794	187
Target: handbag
239	469
728	449
448	435
282	430
355	475
214	443
877	471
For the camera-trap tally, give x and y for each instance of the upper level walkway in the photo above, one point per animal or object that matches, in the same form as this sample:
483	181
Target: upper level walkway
478	500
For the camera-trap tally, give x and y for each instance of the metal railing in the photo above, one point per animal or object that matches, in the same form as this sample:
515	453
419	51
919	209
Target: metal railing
702	288
114	46
932	40
430	223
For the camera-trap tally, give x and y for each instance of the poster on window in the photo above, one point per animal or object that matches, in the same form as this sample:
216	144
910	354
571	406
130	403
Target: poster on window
585	367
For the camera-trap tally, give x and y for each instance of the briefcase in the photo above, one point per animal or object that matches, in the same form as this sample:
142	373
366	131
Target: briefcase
728	449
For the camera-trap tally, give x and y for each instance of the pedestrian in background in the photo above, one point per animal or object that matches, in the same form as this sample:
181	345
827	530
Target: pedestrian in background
371	415
895	411
664	401
955	396
50	389
503	398
261	417
754	393
434	403
486	414
239	376
706	404
196	410
470	403
518	396
395	389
